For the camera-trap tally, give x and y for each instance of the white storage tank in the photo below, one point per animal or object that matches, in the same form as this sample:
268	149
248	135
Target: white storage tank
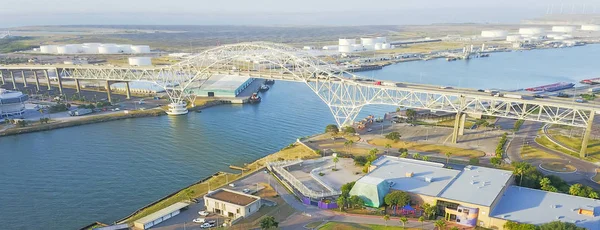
567	36
358	47
108	49
126	49
345	49
330	47
49	49
66	49
513	38
494	33
140	61
90	48
380	40
563	29
140	49
368	41
531	31
346	42
386	46
558	37
378	46
590	27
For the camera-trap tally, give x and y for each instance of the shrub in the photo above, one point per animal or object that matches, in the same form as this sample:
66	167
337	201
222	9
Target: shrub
394	136
331	128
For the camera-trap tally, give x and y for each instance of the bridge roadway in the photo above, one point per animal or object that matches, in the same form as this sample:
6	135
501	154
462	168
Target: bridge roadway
344	94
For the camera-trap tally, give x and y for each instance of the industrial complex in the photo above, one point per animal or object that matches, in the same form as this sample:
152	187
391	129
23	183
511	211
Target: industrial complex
93	48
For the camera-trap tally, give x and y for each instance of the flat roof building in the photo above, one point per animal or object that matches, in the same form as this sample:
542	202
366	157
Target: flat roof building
160	216
477	185
12	103
223	86
231	203
534	206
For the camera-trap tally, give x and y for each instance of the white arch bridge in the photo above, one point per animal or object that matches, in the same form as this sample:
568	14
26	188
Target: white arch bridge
344	93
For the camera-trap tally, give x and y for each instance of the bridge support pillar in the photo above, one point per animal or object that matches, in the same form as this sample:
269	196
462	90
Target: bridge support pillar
2	77
60	89
586	135
456	128
24	79
48	79
461	127
108	91
12	76
37	80
77	86
127	90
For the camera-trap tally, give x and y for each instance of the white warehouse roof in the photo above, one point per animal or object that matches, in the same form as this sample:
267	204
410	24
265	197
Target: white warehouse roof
477	185
162	212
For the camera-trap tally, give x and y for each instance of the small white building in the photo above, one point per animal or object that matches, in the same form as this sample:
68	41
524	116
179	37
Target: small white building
160	216
140	61
12	103
231	204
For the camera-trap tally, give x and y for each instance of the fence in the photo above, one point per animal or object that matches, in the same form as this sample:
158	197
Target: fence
279	168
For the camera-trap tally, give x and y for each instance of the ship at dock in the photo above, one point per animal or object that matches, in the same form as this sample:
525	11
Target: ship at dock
552	87
592	81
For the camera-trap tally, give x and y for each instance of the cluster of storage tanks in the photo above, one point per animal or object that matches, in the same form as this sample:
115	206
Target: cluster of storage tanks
533	33
366	44
94	48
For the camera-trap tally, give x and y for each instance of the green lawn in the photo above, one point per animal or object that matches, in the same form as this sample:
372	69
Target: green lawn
441	149
355	226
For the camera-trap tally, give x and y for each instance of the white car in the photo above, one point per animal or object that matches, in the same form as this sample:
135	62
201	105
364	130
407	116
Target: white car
369	130
206	225
246	190
198	220
203	213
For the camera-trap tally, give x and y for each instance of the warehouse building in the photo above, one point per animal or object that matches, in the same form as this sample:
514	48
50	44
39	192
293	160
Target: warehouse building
160	216
223	86
231	204
474	196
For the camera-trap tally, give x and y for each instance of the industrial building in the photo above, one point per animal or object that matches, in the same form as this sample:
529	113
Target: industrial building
140	61
160	216
473	196
366	44
94	48
231	204
223	86
12	103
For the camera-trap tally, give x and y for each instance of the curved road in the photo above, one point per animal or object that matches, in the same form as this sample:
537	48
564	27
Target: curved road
527	135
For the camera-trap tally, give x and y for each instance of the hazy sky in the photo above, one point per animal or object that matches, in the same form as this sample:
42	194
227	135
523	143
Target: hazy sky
273	12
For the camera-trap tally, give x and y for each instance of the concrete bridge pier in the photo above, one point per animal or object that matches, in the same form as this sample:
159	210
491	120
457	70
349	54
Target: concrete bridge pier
2	77
127	90
60	88
456	129
37	80
108	91
48	79
461	127
12	76
77	87
24	79
586	135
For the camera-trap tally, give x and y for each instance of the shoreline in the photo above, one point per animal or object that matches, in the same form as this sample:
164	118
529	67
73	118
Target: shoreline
100	118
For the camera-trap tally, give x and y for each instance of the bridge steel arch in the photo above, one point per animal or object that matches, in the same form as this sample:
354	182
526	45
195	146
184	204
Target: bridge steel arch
344	93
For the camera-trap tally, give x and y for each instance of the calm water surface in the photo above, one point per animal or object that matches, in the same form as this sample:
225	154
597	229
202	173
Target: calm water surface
67	178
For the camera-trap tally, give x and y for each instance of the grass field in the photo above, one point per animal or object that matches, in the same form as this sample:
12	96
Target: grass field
558	167
528	152
593	152
441	149
596	178
355	226
450	123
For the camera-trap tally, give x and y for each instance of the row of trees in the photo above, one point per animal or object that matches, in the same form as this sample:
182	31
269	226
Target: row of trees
497	160
332	128
59	107
555	225
528	176
347	201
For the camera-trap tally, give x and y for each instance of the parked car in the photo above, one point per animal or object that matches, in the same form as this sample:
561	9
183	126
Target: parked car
205	225
195	200
203	213
232	185
246	190
198	220
369	130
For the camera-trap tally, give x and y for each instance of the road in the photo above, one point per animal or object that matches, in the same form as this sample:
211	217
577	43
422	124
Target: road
527	135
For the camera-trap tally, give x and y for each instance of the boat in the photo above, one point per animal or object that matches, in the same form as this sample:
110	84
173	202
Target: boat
552	87
264	88
269	82
254	98
451	59
484	55
592	81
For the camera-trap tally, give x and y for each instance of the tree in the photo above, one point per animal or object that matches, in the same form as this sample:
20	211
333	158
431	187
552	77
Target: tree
367	167
448	154
417	156
345	189
398	109
411	114
335	161
348	143
429	210
422	220
387	147
360	160
189	193
349	129
426	158
510	225
558	225
373	154
386	218
576	190
356	201
440	224
496	161
396	199
404	155
403	220
331	128
394	136
268	222
403	150
319	152
21	123
454	228
547	185
341	202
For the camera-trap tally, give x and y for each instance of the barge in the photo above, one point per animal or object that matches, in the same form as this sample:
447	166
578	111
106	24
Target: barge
552	87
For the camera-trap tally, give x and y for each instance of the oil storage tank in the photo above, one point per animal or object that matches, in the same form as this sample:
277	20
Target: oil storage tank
108	49
563	29
346	42
140	49
590	27
140	61
494	33
49	49
531	31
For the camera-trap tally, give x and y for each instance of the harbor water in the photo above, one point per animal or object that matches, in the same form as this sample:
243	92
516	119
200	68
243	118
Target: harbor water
67	178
